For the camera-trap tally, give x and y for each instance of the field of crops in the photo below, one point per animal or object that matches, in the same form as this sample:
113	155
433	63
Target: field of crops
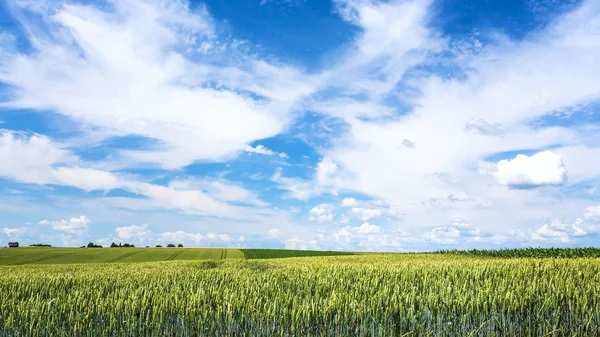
36	255
251	254
529	252
359	295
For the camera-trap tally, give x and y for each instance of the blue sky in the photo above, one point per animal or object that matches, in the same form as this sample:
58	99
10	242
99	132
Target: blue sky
345	125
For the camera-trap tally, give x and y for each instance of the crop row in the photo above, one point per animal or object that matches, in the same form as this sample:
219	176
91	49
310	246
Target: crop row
587	252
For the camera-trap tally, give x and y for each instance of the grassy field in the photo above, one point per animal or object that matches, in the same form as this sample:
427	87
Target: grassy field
251	254
52	255
359	295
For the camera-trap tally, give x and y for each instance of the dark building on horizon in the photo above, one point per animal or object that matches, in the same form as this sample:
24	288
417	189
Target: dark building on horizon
13	244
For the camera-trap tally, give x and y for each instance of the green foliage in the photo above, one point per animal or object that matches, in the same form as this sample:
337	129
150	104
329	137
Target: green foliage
158	246
180	245
125	245
40	245
361	295
283	253
590	252
209	264
93	245
170	245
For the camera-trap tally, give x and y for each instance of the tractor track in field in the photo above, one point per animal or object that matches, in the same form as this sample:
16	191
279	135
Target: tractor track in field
174	255
40	259
223	254
119	258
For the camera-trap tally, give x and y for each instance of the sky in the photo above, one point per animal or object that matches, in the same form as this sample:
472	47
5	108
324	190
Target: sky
363	125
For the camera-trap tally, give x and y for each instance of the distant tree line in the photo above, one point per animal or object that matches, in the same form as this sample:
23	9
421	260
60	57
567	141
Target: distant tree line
113	245
40	245
125	245
91	245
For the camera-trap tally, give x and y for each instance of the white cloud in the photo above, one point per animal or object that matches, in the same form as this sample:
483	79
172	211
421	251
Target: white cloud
367	236
344	219
222	190
367	228
275	233
14	232
124	71
322	213
196	238
75	226
366	213
592	212
26	157
444	235
133	232
36	159
459	231
349	202
542	168
349	232
556	230
296	243
326	169
260	149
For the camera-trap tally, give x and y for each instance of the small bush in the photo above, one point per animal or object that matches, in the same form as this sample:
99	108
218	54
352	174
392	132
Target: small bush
158	246
180	245
170	245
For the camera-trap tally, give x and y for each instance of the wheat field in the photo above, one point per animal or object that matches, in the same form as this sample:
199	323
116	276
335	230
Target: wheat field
360	295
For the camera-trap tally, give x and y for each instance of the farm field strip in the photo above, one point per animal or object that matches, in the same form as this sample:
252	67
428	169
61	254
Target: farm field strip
359	295
45	255
251	254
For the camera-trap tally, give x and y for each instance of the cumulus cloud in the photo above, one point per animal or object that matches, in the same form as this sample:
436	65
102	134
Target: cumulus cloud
196	238
349	202
14	232
133	232
367	236
321	213
367	210
366	213
540	169
324	181
260	149
592	212
275	233
296	243
141	234
556	230
75	226
459	231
